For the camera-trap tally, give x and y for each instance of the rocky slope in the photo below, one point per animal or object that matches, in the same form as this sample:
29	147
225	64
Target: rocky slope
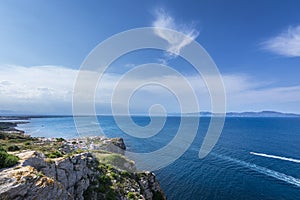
91	174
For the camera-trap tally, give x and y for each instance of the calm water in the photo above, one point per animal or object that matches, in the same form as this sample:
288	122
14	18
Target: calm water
228	172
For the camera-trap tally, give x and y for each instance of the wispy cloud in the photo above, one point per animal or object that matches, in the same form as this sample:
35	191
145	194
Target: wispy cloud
285	44
175	41
38	89
53	82
49	89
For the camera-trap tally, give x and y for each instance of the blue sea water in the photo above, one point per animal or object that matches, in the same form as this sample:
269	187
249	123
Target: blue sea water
230	171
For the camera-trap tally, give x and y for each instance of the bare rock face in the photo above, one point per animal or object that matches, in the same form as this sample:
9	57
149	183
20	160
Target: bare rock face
28	183
115	145
150	186
75	177
34	178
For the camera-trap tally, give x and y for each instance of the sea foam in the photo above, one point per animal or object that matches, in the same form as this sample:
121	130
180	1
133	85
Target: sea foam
275	157
271	173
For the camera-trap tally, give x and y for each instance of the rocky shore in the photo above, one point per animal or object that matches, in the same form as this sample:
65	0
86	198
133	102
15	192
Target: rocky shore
10	127
81	168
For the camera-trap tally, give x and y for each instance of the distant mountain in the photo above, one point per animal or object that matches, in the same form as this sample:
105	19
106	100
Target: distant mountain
261	114
7	114
247	114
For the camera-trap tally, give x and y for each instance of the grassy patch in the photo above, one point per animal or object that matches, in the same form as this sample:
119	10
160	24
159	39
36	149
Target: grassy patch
55	154
19	142
116	160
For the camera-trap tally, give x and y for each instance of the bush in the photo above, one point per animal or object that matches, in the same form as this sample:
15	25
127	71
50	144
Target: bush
13	148
125	173
55	154
103	179
130	195
27	143
114	175
3	156
2	136
60	139
7	160
111	195
11	160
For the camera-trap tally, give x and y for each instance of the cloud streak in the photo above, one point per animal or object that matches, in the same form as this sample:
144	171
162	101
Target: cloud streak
49	89
38	89
285	44
175	42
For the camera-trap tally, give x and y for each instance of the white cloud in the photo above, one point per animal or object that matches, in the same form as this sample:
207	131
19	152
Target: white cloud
243	93
33	83
49	89
38	89
285	44
175	41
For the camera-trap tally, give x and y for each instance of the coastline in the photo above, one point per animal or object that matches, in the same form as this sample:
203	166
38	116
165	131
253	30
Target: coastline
78	168
10	127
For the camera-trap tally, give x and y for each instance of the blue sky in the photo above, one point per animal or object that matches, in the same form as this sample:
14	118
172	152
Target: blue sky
255	44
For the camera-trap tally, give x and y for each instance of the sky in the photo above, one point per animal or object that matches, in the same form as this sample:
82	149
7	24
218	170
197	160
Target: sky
255	45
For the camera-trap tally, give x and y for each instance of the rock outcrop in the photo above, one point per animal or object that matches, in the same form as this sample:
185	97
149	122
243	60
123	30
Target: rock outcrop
78	176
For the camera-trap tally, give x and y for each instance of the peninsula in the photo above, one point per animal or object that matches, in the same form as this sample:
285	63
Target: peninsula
79	168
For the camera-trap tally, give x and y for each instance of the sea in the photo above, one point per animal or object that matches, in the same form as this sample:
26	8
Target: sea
254	158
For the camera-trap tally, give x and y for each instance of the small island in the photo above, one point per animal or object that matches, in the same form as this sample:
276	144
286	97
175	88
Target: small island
79	168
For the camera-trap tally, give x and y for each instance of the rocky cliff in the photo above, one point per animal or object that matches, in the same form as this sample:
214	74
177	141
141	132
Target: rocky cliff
84	175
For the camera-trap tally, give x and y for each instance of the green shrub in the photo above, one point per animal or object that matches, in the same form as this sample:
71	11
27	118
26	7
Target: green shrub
7	160
101	188
27	143
125	173
3	156
111	195
13	148
55	154
60	139
130	195
114	175
103	179
11	160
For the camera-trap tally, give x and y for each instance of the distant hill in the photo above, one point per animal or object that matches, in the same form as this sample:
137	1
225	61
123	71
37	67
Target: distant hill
261	114
7	114
247	114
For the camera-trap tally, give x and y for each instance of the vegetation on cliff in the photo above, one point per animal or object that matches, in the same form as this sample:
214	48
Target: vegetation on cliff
80	168
7	160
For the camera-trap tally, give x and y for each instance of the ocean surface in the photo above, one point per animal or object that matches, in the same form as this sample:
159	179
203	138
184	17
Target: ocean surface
255	158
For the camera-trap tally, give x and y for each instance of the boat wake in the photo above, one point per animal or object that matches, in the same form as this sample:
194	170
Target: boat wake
263	170
275	157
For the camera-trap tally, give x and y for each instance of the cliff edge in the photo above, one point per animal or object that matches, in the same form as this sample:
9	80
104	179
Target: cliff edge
82	168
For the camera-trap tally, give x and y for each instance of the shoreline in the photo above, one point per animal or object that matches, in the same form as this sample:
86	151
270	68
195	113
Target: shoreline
10	127
78	168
